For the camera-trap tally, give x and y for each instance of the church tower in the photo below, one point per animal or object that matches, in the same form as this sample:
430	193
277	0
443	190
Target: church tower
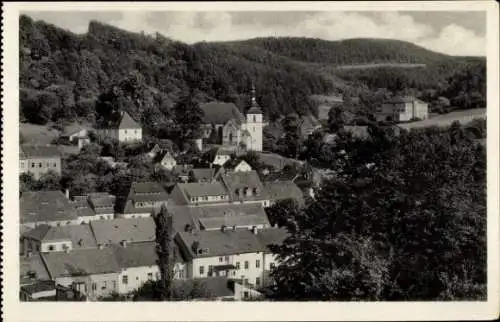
254	124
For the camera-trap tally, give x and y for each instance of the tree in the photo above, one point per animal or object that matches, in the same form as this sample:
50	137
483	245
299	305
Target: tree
279	213
402	219
164	248
336	120
189	118
27	182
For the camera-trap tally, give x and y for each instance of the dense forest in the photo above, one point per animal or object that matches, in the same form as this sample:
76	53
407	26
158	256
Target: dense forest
66	77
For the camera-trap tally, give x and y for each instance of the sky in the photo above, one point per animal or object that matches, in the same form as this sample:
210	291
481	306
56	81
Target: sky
450	32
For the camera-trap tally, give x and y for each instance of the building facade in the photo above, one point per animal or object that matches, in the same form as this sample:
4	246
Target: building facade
403	109
39	160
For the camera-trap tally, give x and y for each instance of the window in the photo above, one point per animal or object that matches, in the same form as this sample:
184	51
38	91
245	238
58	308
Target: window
237	265
246	264
51	247
226	259
104	285
125	279
40	164
94	286
150	276
114	285
257	281
257	263
202	270
55	164
221	259
32	164
102	217
245	295
254	119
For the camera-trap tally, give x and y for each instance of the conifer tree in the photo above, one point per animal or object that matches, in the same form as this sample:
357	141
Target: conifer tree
164	249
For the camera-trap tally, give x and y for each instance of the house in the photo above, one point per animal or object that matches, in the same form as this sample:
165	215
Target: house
219	156
95	206
182	171
93	272
32	269
139	263
77	136
45	238
236	165
282	190
245	187
123	231
47	207
236	254
161	147
220	216
403	109
277	162
234	129
199	193
308	125
202	174
48	291
142	199
39	160
167	160
123	128
325	103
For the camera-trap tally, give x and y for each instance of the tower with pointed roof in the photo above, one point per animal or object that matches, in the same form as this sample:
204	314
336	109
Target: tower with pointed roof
254	124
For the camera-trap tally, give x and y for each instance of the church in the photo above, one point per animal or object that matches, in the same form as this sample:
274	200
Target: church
232	128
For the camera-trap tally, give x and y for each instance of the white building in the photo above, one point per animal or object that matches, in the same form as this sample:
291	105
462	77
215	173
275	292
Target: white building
125	129
403	109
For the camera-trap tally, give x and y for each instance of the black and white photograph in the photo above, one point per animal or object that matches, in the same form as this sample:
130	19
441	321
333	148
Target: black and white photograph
251	155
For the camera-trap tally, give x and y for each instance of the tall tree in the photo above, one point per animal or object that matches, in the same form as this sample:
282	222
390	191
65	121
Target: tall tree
164	249
189	118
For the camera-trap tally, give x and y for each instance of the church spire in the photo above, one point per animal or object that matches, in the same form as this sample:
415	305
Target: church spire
254	108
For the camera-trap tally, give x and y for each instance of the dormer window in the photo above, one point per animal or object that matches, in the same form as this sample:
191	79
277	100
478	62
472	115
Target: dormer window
254	119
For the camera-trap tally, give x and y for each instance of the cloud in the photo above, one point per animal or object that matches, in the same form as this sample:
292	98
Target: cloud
192	27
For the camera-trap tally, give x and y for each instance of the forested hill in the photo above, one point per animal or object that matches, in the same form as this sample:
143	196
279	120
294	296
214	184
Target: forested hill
64	76
345	52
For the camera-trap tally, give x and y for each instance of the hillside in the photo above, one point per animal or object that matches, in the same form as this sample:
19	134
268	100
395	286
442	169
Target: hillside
66	77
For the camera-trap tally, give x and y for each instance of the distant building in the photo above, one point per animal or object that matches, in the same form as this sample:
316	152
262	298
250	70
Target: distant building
123	231
167	160
202	174
182	172
39	159
52	208
161	147
95	206
245	187
282	190
219	156
199	193
77	136
142	199
236	166
403	109
125	129
234	129
45	238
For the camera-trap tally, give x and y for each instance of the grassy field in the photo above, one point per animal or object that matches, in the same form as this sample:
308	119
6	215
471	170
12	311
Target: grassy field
37	134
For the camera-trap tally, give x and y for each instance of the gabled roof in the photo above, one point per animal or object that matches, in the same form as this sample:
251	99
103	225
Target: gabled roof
403	99
81	236
218	243
281	190
201	189
200	174
182	169
239	183
39	206
221	113
127	122
229	215
33	264
81	262
233	163
117	230
40	151
140	255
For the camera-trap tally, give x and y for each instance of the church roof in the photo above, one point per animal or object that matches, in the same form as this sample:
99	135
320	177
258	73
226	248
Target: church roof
254	110
221	113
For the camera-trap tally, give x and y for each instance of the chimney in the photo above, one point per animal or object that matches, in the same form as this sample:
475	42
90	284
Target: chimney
223	228
124	243
254	230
